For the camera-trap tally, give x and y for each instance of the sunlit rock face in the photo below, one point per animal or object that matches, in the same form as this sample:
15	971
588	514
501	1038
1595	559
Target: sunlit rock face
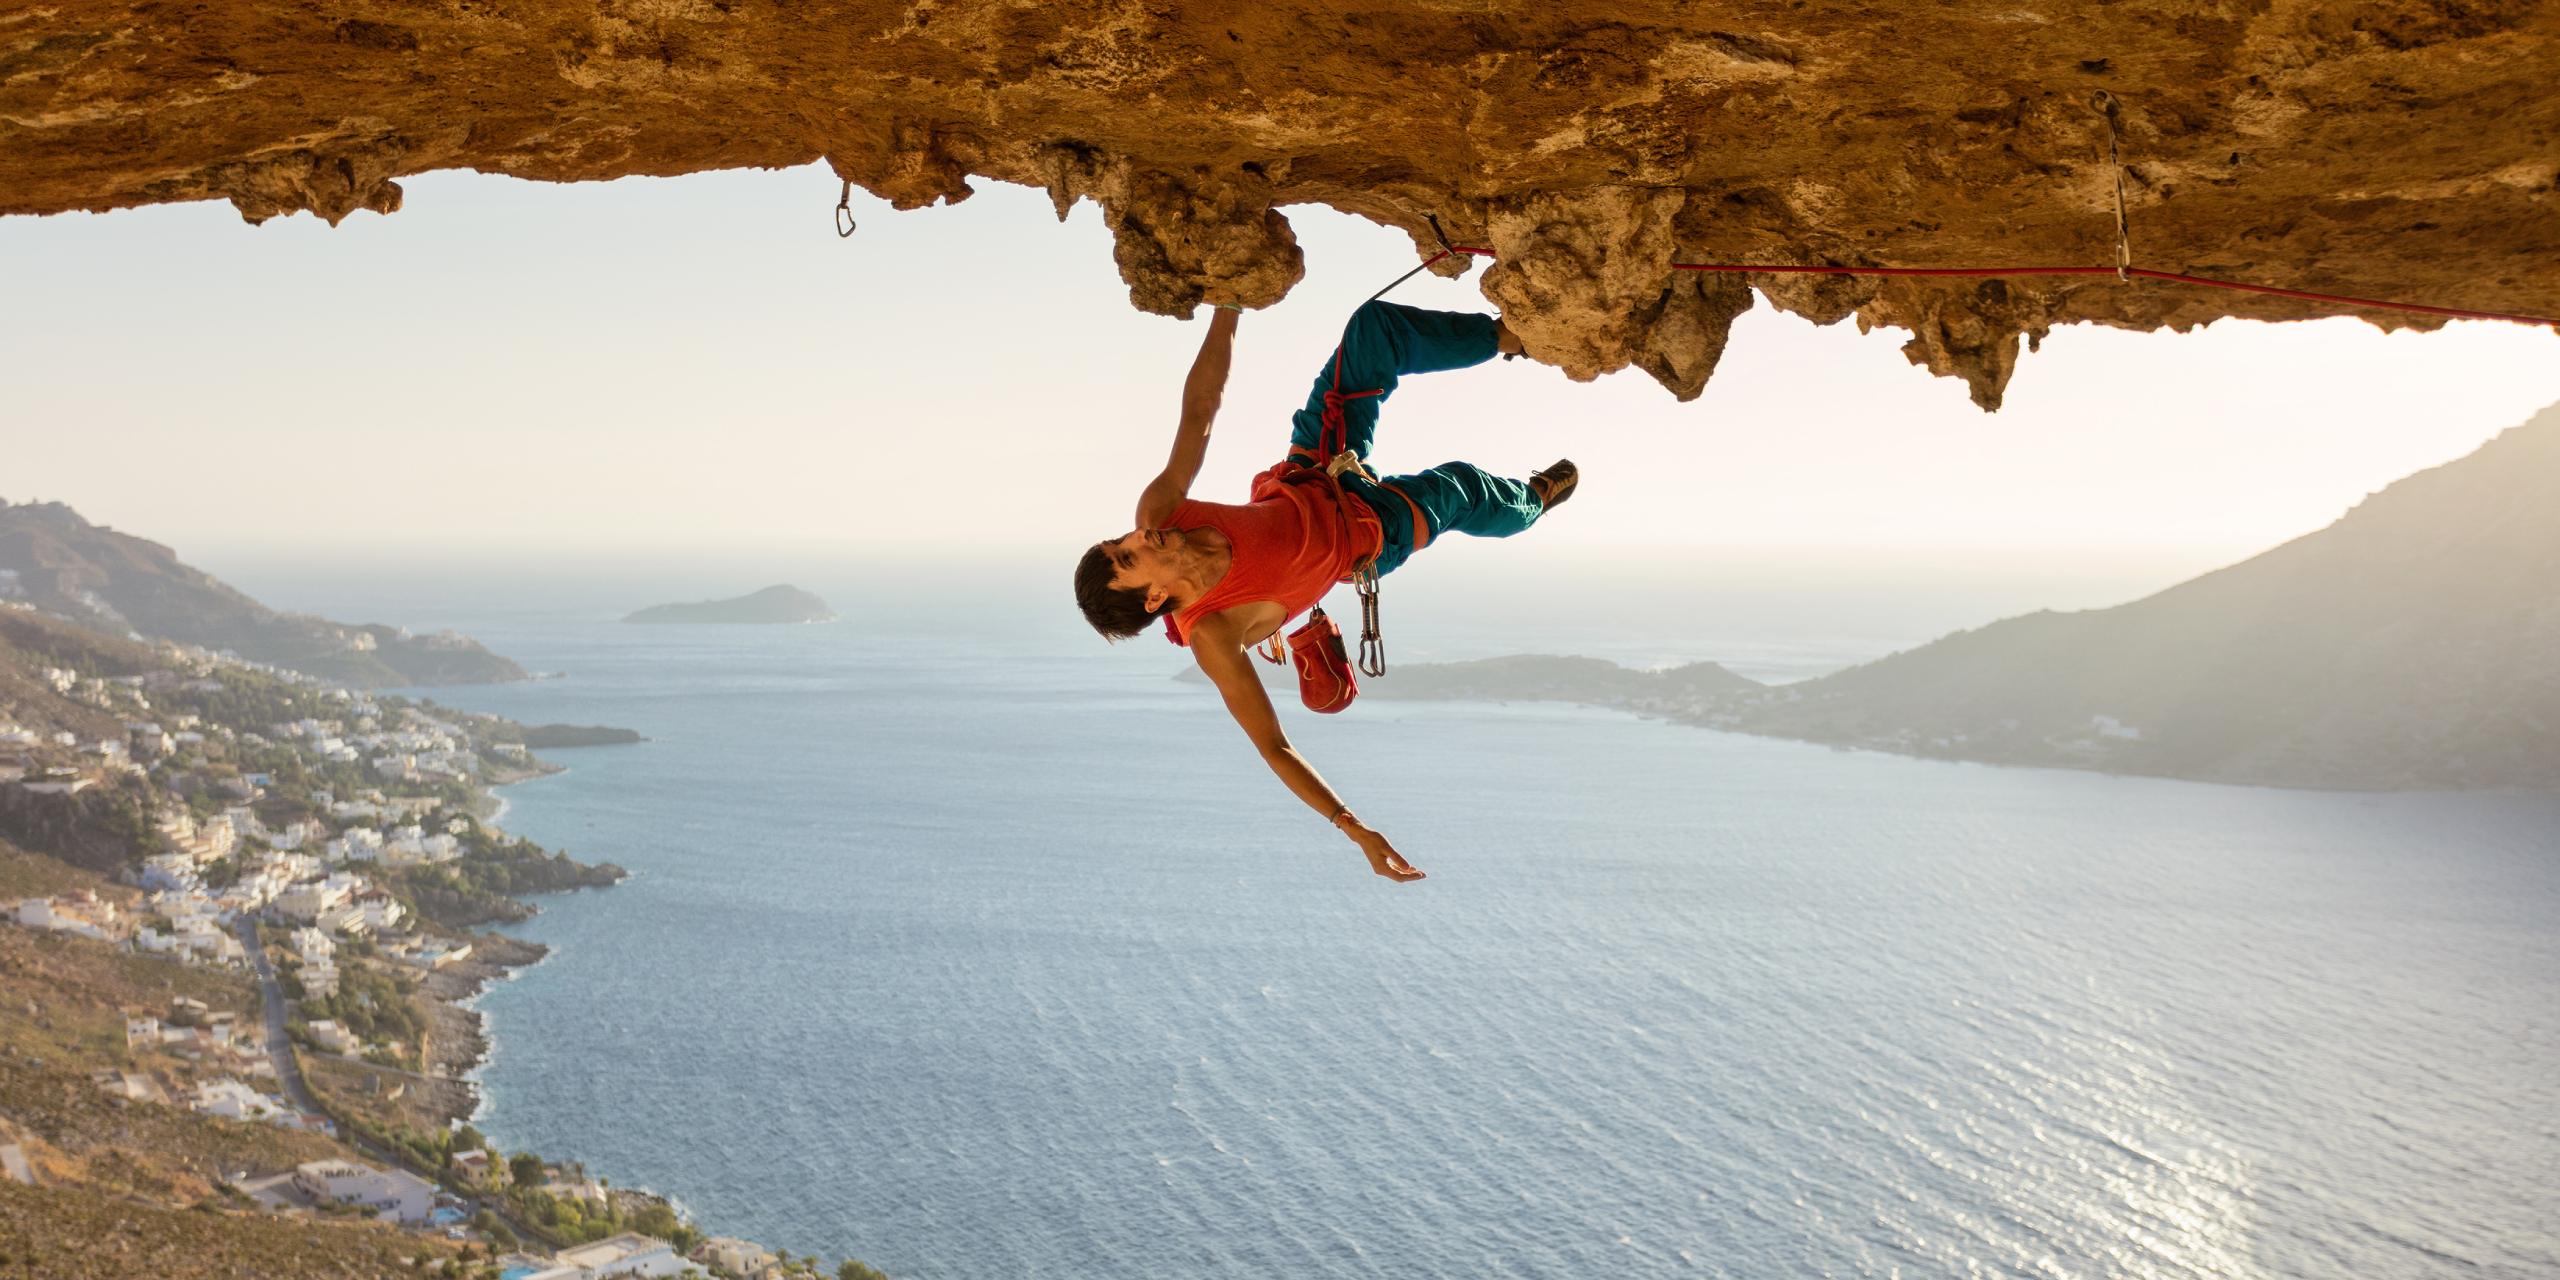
2407	149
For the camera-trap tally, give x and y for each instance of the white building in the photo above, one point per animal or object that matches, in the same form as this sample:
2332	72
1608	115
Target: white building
310	900
627	1254
377	910
356	844
392	1196
232	1100
208	941
88	919
327	1034
170	872
734	1256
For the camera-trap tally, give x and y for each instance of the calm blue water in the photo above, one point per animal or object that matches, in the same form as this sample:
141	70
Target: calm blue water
984	957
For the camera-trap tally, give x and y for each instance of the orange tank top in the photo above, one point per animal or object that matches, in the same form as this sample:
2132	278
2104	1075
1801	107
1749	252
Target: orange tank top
1292	543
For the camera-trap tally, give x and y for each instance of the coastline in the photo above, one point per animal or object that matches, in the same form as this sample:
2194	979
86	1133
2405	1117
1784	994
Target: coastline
462	1038
466	1039
459	1038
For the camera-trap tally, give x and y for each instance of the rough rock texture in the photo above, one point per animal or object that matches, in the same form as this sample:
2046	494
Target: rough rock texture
2398	148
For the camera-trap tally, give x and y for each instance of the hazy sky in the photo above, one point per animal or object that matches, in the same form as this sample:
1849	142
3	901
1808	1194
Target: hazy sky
653	366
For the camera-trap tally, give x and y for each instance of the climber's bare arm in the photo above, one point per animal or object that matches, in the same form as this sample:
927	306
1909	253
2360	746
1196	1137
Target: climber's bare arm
1200	395
1217	644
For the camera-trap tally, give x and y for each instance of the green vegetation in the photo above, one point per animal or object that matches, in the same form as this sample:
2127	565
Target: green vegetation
490	1225
567	1219
375	1007
484	883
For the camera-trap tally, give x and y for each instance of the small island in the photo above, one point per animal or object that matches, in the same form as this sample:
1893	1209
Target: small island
772	605
540	736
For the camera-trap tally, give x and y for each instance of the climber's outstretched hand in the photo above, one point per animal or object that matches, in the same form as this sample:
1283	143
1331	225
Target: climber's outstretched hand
1383	857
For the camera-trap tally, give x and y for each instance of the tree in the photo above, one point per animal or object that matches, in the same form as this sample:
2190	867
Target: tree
657	1220
468	1138
526	1168
856	1269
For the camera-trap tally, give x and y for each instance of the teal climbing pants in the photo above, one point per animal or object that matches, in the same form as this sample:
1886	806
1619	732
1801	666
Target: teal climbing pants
1383	343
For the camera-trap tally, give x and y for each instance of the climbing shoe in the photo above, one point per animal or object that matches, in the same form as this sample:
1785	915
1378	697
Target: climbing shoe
1555	484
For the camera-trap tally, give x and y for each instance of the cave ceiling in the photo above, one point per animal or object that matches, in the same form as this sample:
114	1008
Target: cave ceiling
2403	149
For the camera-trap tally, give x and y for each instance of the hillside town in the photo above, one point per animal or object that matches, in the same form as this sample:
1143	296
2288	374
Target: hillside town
325	851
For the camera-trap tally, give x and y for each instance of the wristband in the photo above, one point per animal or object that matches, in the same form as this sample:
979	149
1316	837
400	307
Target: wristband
1340	814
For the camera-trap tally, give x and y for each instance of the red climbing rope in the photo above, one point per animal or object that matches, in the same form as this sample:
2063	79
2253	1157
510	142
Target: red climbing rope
1337	426
1728	268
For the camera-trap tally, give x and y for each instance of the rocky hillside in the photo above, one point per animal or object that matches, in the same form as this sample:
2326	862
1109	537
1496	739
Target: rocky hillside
125	1187
2392	148
2414	643
117	584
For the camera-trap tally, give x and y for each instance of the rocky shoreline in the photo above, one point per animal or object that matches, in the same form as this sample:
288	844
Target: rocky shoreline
458	1039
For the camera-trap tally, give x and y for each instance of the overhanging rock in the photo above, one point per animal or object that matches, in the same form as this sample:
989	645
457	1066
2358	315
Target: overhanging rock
2407	149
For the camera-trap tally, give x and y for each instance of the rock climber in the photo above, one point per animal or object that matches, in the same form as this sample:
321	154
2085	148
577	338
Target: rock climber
1226	578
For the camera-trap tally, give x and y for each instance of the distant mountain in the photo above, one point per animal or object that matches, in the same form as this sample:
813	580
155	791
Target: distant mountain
2413	643
1532	677
1539	677
771	605
118	584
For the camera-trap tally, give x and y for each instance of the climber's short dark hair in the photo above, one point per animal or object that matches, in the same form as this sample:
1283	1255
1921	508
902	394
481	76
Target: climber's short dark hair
1117	612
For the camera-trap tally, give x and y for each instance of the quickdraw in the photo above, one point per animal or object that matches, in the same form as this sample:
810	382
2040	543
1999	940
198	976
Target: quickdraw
1373	647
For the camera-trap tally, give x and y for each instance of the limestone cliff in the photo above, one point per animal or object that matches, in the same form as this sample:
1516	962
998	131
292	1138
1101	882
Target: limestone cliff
2399	148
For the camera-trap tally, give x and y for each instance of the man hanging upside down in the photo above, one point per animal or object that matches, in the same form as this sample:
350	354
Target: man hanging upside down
1226	578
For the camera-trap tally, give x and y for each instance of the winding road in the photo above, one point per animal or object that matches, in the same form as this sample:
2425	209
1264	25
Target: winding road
289	1074
279	1047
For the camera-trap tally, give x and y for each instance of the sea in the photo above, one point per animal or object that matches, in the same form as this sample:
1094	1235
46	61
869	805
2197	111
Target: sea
975	948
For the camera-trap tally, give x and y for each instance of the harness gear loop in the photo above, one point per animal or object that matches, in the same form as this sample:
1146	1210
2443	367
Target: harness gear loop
1272	649
844	211
2105	103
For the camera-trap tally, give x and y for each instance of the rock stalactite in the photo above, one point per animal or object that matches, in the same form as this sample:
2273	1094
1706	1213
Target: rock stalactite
2396	148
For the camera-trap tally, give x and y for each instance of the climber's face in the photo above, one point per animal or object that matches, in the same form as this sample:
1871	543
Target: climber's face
1150	560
